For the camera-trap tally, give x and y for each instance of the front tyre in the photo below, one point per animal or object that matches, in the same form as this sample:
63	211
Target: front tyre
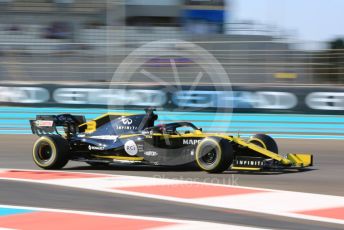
51	152
264	141
214	155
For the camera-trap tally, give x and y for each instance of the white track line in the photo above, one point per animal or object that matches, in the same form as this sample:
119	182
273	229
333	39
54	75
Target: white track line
178	224
268	201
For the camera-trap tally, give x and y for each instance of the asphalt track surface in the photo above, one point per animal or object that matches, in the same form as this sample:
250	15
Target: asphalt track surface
326	177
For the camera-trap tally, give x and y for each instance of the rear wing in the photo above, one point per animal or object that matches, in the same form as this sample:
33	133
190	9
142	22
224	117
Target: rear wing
47	124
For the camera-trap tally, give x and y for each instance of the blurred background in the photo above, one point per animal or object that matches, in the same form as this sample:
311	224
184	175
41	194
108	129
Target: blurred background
257	41
282	56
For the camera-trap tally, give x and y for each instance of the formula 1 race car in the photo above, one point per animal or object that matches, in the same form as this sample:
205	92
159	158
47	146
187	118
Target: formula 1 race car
135	139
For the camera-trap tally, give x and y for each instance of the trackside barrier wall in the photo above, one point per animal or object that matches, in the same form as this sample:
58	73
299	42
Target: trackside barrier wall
283	112
242	98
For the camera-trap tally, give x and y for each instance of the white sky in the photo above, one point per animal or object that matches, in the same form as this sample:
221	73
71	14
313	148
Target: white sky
311	20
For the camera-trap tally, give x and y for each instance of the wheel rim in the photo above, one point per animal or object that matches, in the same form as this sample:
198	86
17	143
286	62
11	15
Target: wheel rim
209	156
44	153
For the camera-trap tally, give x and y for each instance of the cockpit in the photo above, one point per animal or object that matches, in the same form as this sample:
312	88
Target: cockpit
176	128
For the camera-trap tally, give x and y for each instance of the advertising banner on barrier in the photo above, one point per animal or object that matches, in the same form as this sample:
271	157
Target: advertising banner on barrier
242	98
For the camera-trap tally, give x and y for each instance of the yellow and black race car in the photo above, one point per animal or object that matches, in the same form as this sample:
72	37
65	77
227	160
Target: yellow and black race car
135	139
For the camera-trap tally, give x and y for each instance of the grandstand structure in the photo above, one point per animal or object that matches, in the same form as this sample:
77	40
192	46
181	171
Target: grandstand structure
85	40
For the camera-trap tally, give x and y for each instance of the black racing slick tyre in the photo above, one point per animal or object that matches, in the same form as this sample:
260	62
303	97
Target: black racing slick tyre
214	155
51	152
264	141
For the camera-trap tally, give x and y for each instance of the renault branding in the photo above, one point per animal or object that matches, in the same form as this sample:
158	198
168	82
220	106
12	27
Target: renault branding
99	148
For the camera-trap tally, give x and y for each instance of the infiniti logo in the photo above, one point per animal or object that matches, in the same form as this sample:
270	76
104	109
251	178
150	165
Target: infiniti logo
127	121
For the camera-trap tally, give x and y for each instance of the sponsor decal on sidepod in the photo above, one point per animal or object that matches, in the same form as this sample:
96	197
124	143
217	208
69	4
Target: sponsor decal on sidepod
90	147
130	147
191	142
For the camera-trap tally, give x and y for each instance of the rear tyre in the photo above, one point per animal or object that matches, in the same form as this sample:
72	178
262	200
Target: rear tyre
264	141
214	155
51	152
